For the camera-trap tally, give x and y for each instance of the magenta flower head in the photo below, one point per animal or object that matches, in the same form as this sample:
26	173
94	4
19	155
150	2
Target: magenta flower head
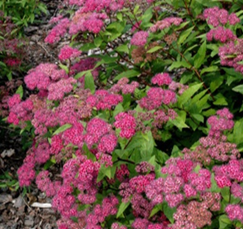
139	38
161	79
68	52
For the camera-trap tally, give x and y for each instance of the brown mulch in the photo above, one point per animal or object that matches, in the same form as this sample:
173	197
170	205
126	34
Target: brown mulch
16	210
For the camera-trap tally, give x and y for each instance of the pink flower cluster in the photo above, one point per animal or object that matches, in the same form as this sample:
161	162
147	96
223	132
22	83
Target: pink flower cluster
140	223
181	182
73	108
93	5
226	174
161	79
43	75
102	100
79	173
139	38
234	212
19	111
223	121
133	190
192	216
221	34
174	86
216	17
165	23
122	173
100	212
73	135
96	128
215	145
163	116
57	90
26	172
237	191
117	226
12	62
231	55
127	123
124	86
46	185
58	31
156	97
68	52
86	21
83	65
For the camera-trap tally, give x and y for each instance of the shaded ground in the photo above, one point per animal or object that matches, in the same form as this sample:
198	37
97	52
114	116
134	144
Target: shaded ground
18	211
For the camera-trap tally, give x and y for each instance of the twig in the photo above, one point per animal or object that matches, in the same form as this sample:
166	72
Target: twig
45	50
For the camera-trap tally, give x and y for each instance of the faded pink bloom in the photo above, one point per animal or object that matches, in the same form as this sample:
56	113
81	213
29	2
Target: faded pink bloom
165	23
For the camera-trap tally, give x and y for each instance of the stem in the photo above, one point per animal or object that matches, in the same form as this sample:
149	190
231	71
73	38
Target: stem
125	160
189	12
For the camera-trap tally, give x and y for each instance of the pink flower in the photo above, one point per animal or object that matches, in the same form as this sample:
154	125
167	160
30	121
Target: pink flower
161	79
68	52
14	100
127	123
139	38
107	143
165	23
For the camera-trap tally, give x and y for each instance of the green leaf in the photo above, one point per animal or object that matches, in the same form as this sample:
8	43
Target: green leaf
180	120
161	156
188	94
20	91
156	209
148	14
184	35
128	74
118	109
64	67
119	16
144	143
225	192
89	155
89	82
49	163
215	84
198	117
123	206
175	151
154	49
238	88
98	41
199	58
214	186
62	128
168	212
224	221
236	137
122	48
86	47
220	100
210	69
136	8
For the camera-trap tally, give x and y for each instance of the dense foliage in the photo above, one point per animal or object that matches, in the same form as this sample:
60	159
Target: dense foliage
142	113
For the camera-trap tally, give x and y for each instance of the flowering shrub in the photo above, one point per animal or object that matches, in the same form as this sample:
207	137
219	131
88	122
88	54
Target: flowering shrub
10	51
148	129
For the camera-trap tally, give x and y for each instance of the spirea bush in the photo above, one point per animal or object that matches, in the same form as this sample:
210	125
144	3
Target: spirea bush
11	51
142	113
